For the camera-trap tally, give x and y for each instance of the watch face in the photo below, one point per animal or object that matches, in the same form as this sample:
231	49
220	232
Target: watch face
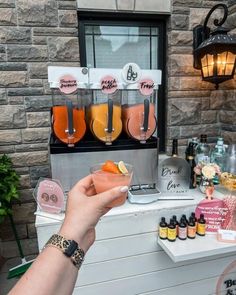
50	196
71	247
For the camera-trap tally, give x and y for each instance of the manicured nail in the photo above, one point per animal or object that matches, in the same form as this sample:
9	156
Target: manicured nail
124	189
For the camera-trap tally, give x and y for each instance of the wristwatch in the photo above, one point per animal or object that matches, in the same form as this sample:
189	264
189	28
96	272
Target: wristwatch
69	248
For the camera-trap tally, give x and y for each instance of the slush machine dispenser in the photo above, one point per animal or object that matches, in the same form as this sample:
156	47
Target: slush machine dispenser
121	122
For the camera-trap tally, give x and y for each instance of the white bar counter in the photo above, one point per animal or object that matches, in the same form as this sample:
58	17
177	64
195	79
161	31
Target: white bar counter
126	258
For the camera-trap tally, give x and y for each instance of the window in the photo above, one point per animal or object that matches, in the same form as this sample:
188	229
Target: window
114	46
112	41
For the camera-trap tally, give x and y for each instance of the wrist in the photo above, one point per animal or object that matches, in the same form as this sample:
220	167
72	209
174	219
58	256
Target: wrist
70	233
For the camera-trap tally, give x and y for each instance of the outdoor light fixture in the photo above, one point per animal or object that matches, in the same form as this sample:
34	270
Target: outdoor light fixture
214	52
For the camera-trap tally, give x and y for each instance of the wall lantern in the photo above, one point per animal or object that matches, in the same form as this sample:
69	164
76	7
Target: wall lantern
214	52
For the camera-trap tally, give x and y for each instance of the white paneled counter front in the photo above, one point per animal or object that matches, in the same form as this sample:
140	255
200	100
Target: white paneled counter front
127	260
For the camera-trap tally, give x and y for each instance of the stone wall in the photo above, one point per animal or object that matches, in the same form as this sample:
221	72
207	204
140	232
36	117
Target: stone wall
35	34
194	106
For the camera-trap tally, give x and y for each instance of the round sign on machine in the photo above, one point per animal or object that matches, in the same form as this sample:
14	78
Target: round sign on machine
67	84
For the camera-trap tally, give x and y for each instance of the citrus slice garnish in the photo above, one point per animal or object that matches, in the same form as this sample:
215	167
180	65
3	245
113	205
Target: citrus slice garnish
122	168
110	166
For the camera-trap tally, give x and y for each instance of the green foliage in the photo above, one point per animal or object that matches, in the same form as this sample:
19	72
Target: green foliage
9	183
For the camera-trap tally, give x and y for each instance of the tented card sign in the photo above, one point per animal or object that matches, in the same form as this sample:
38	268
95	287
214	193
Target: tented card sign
216	213
173	177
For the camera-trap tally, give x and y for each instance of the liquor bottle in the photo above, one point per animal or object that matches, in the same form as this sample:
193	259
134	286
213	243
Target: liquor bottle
171	232
218	156
182	229
203	150
163	229
194	143
201	226
173	173
190	159
175	148
191	228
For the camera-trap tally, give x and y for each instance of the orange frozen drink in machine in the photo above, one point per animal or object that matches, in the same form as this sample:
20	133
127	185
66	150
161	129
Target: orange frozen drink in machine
104	113
105	120
138	116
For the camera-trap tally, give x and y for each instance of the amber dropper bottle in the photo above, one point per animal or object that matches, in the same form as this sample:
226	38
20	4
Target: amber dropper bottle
201	226
191	228
171	232
163	227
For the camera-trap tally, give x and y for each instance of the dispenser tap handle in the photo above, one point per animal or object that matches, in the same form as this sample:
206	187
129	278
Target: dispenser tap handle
110	115
70	117
146	115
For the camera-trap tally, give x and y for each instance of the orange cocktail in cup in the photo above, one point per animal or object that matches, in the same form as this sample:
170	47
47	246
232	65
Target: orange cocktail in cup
109	177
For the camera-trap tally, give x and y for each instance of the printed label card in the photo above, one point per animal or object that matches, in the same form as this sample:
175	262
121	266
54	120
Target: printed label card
216	213
173	177
49	196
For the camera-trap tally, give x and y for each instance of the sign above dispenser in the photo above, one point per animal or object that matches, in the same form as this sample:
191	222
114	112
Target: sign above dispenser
127	78
66	77
131	77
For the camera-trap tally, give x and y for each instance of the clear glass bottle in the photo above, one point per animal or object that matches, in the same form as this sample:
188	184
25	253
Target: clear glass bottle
173	173
218	154
203	150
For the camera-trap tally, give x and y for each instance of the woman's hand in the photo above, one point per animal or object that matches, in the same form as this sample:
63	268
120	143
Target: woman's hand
84	209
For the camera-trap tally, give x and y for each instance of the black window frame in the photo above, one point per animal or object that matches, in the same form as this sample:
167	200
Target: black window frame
126	19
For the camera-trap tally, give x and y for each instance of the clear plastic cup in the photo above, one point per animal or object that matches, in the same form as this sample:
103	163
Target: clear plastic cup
104	181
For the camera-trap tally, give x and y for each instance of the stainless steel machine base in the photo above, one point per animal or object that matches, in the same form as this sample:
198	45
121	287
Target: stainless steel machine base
68	168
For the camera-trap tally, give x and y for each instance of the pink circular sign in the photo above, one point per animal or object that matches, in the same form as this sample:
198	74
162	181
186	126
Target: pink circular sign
146	87
227	282
67	84
215	213
50	196
108	84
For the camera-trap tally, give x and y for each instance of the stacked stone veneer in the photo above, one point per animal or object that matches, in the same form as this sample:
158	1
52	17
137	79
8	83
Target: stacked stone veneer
195	106
35	34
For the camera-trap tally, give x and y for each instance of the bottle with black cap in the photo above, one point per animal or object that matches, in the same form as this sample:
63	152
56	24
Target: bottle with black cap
191	228
185	218
171	232
174	148
163	227
182	229
193	216
174	217
201	226
190	159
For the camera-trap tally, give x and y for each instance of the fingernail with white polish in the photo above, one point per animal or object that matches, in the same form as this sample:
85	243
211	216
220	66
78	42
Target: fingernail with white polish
124	189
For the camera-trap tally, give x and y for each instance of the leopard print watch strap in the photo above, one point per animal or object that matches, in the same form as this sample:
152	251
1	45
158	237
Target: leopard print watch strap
70	248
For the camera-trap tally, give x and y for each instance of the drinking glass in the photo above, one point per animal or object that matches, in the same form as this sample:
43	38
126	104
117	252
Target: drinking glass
104	181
